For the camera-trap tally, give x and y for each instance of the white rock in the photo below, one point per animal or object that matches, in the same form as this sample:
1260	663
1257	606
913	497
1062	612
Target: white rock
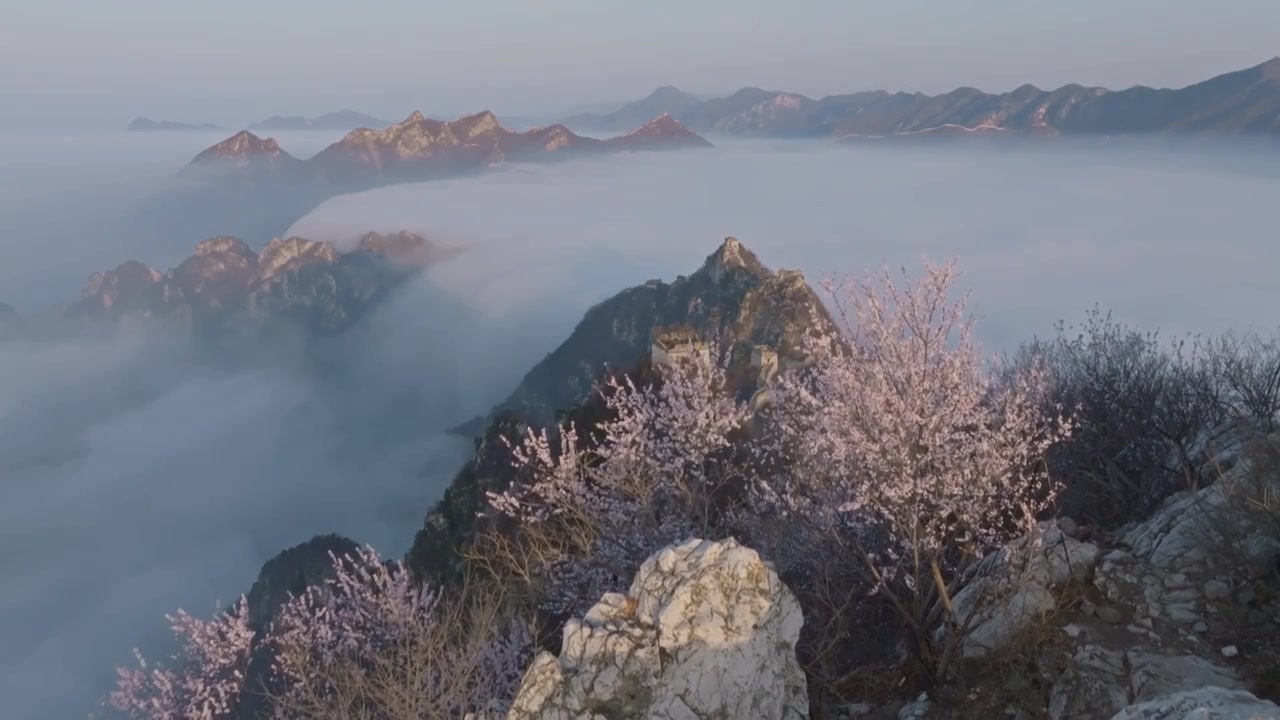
706	631
1013	590
1209	703
915	709
1216	590
1230	651
1094	685
1152	675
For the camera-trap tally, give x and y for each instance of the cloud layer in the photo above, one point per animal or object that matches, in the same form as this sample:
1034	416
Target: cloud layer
133	482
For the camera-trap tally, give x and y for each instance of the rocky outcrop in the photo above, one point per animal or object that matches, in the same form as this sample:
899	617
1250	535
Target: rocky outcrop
1150	634
224	286
1209	703
1014	588
733	297
707	630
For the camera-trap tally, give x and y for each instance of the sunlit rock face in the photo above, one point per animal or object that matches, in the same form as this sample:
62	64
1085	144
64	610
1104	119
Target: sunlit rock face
707	630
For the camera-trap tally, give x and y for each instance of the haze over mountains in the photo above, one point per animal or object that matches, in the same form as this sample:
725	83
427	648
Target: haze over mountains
340	120
1242	102
142	124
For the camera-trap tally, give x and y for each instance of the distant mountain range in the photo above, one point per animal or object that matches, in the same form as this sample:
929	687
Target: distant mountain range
141	124
248	186
420	148
1241	102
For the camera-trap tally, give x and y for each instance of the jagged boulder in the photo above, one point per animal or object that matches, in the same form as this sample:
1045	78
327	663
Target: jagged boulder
1013	587
1209	703
1190	528
707	630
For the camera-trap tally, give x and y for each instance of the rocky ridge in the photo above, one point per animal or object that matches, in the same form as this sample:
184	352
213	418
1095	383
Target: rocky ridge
1245	102
421	148
224	283
249	187
732	297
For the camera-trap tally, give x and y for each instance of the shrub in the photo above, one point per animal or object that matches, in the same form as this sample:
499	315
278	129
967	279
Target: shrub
369	644
1138	401
598	502
202	681
896	454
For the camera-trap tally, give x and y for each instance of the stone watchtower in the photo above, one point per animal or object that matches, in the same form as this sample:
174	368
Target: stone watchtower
677	345
764	360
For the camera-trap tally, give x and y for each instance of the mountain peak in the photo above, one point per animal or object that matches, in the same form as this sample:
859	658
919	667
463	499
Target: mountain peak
244	149
664	131
1270	69
244	138
415	116
470	128
731	255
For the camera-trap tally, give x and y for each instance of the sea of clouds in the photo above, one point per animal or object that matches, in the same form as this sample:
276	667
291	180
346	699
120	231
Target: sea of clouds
134	482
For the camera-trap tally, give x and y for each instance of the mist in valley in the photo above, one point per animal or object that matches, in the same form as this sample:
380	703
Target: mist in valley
136	479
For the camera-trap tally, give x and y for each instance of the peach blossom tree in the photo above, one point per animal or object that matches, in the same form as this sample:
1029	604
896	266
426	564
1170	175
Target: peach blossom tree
896	452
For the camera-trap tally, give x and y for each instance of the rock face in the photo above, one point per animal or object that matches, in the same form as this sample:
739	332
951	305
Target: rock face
225	283
733	296
1242	102
707	630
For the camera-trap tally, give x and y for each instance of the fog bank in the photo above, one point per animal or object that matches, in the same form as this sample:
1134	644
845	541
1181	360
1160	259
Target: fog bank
1175	237
134	481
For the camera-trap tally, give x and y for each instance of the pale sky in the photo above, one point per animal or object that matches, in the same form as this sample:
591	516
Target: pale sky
233	61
